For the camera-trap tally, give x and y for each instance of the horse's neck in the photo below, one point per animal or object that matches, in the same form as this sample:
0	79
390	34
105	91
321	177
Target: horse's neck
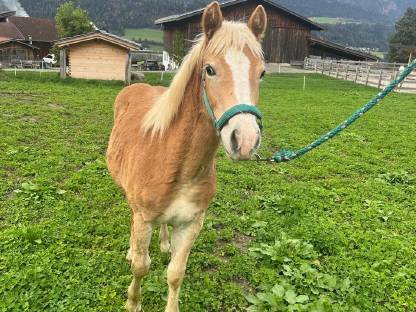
198	135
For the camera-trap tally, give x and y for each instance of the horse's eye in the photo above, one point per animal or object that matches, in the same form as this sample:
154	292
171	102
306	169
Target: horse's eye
262	74
210	70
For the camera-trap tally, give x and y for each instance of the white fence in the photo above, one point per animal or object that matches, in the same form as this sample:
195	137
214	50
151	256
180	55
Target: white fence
374	74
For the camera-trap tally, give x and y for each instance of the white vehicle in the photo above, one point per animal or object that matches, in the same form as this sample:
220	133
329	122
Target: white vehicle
49	59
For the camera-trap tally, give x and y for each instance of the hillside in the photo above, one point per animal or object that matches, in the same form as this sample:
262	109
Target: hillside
357	23
116	15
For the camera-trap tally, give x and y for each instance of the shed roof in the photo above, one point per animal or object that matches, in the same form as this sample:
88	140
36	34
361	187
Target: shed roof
184	16
337	47
19	42
40	29
102	35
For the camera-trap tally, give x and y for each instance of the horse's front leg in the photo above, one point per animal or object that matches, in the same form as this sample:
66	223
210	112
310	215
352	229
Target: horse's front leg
183	237
141	233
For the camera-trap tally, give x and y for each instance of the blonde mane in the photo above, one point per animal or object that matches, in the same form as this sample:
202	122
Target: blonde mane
231	35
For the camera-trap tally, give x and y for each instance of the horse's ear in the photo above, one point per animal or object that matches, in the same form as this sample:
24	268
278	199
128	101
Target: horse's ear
212	19
258	22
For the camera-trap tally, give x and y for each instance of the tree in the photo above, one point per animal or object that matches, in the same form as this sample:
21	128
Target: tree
403	42
72	21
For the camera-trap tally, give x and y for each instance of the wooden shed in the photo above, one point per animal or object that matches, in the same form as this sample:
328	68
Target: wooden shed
287	34
96	55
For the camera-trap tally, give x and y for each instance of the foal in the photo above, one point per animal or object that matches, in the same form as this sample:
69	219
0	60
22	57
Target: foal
162	147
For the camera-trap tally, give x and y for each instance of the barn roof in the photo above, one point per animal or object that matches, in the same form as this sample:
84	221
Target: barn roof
4	15
184	16
39	29
339	48
102	35
10	31
19	42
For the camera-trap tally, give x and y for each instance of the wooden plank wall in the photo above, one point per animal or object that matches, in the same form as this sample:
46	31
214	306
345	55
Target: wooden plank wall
286	38
374	74
97	60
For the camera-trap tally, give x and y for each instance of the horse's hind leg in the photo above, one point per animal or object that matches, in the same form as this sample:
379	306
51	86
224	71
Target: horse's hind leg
164	238
141	233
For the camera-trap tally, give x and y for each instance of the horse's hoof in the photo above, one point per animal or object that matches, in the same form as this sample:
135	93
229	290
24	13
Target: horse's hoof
132	307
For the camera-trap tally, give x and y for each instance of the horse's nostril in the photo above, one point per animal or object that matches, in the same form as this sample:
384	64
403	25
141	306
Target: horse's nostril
234	141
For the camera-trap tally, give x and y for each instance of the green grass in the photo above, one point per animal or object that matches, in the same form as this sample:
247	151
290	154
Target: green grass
381	55
332	231
153	36
334	20
144	33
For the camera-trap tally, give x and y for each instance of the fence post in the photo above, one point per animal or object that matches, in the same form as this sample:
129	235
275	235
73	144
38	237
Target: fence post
356	74
347	72
368	74
381	77
330	68
338	70
128	70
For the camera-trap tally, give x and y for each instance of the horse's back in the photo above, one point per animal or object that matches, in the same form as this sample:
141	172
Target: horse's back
136	99
130	106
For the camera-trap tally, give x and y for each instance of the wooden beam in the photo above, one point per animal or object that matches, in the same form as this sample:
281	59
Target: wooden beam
63	63
128	69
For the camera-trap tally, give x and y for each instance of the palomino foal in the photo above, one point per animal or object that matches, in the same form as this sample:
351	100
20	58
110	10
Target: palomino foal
163	144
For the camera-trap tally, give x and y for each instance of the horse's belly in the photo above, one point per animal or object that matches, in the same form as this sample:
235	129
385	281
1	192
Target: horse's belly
180	211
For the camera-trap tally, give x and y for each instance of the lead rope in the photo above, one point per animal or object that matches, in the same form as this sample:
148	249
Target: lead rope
287	155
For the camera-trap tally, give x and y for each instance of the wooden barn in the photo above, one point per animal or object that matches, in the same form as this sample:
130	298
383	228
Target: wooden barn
96	55
287	32
12	50
287	38
39	33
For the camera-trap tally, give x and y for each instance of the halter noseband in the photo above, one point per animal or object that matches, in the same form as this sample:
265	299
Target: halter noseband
230	113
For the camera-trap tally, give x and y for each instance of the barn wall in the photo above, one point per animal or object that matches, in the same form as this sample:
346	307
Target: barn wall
285	40
15	51
97	60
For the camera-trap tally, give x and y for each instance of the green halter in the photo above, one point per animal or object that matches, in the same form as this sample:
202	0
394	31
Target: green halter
233	111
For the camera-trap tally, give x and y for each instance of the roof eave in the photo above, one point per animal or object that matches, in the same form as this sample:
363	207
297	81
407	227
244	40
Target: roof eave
65	42
180	17
338	47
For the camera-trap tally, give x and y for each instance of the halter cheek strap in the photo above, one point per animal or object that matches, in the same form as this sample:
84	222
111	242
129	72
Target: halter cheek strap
233	111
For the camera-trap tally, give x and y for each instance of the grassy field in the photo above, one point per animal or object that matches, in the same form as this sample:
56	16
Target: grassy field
333	231
154	36
334	20
381	55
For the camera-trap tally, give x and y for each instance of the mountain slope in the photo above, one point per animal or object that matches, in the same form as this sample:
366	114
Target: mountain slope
118	14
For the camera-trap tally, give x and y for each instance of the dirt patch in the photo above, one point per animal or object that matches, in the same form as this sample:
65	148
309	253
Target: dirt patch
241	241
211	269
29	119
55	106
243	284
218	226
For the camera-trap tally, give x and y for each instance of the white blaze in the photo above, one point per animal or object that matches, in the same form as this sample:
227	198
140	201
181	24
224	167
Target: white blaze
240	68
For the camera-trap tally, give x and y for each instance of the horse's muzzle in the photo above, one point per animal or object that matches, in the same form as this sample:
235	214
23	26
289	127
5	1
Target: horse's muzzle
241	137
